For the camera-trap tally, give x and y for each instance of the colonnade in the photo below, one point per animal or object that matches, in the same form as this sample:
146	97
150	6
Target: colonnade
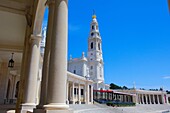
53	95
79	93
111	96
151	99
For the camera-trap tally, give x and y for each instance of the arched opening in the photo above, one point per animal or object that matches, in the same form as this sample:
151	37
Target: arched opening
91	45
99	46
92	34
93	27
17	89
8	90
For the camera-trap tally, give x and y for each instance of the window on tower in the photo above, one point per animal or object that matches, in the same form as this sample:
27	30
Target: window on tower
92	34
91	67
99	46
100	72
74	71
92	27
91	45
82	92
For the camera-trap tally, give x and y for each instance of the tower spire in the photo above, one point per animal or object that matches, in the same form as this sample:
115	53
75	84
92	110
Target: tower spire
94	14
95	58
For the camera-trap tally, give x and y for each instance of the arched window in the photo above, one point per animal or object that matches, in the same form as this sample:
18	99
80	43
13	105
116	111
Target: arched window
91	67
92	27
92	34
74	71
100	72
91	45
99	46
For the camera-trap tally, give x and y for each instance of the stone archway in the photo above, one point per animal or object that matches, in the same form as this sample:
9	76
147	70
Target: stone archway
8	89
17	89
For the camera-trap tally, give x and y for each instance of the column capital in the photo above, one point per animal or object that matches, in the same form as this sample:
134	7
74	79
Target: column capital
35	38
49	2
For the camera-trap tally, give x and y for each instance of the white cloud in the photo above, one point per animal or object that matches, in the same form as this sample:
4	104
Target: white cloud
166	77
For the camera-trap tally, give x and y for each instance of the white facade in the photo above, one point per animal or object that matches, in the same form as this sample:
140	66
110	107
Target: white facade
91	67
79	66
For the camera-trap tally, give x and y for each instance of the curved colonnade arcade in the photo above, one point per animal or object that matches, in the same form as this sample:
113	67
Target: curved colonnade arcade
156	97
22	36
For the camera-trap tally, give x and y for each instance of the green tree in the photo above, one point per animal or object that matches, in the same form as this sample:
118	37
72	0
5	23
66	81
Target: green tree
124	87
114	86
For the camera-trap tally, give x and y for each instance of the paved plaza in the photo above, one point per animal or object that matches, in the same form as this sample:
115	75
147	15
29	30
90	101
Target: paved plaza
97	108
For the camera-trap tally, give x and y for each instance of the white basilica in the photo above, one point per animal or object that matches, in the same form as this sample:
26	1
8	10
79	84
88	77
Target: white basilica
92	66
48	82
85	74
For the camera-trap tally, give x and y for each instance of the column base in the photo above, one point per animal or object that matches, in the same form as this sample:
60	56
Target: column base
79	102
28	107
11	111
52	111
54	106
73	102
67	102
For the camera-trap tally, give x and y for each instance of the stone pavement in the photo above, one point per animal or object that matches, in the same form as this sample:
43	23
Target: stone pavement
5	108
98	108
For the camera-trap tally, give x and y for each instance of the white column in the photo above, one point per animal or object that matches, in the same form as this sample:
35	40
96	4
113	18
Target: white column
56	98
76	95
146	97
150	99
139	98
142	99
163	100
29	101
154	99
92	94
73	93
67	93
124	98
79	97
158	99
87	92
44	82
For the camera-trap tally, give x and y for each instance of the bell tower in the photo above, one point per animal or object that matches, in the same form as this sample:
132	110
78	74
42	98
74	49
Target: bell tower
95	58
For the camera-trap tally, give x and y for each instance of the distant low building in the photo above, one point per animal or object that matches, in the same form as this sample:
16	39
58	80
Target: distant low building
148	96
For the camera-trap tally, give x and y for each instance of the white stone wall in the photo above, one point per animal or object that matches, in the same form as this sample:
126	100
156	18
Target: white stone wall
78	67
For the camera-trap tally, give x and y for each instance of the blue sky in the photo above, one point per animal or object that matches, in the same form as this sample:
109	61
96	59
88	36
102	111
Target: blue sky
135	39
